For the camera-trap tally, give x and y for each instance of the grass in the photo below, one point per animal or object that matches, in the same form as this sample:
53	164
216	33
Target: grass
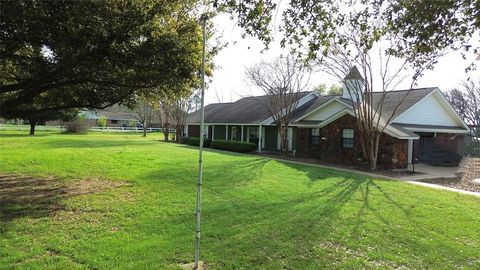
120	201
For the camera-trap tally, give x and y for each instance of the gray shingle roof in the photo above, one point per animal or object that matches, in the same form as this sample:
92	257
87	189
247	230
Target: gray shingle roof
394	98
243	111
354	74
311	105
250	109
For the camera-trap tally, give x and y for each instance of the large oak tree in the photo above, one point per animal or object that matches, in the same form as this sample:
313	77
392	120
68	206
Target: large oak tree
57	55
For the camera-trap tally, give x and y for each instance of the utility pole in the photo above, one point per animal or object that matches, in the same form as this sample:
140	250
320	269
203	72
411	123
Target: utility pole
198	210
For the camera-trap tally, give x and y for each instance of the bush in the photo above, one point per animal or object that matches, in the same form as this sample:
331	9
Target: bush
196	141
235	146
102	122
78	125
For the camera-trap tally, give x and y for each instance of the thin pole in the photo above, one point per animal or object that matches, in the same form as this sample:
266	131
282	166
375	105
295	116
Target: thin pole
200	155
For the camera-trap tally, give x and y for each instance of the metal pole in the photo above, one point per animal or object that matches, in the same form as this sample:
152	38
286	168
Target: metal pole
200	155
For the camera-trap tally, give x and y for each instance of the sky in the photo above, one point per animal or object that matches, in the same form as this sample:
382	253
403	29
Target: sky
229	83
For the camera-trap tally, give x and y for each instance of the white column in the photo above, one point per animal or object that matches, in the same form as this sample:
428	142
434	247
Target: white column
226	132
242	133
260	138
205	132
186	130
213	132
410	151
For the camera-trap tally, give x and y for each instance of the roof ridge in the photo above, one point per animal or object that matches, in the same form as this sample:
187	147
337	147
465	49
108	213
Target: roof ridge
405	90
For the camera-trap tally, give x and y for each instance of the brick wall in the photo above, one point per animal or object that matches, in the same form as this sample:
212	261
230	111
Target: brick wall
393	153
448	141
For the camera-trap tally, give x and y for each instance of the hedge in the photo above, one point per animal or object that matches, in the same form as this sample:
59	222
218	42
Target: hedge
196	141
234	146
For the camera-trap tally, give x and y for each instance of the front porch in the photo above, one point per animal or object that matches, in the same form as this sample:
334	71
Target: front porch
264	136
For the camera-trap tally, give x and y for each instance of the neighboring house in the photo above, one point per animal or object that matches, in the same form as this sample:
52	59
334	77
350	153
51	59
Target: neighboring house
425	127
114	119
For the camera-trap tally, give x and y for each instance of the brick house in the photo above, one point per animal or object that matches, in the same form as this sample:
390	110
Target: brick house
424	127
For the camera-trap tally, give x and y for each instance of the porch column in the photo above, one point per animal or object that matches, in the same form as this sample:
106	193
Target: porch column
226	132
186	130
410	151
213	132
205	134
242	133
260	138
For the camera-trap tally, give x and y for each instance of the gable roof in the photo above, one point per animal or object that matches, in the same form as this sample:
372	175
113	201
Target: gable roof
392	99
248	110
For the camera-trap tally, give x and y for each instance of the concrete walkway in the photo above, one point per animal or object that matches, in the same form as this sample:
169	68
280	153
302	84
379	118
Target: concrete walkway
429	172
445	188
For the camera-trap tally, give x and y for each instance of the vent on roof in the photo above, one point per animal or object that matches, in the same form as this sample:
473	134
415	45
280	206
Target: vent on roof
353	85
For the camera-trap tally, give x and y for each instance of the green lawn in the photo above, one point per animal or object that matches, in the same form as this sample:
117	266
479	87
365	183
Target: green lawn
120	201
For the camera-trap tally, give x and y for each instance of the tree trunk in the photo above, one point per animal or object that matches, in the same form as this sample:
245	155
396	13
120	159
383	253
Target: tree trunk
32	128
178	135
283	139
144	130
165	134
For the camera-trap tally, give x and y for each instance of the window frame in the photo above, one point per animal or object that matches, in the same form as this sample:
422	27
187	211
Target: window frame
350	141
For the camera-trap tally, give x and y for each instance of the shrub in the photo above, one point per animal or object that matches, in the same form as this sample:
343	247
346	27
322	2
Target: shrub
196	141
102	122
78	125
235	146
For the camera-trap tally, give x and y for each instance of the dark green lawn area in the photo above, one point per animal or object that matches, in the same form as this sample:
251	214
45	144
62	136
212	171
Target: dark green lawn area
119	201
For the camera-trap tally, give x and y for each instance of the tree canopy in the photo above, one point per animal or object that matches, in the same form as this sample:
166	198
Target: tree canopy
421	30
57	55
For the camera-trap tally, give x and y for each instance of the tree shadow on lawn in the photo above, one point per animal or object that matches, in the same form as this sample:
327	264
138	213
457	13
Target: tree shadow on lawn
218	176
255	228
25	196
254	232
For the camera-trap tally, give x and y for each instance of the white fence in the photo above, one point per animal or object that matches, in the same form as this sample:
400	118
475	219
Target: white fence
62	128
27	127
126	129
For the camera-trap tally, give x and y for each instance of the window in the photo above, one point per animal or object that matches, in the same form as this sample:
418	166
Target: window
233	136
114	121
347	138
315	136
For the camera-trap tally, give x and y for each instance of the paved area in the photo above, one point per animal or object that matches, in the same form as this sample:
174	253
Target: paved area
431	172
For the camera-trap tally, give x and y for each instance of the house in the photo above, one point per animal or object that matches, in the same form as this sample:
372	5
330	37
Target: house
424	127
114	119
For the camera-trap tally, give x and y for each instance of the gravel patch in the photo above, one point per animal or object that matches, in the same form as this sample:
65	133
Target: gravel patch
465	180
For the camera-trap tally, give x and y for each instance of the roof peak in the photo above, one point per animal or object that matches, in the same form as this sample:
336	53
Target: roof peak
354	74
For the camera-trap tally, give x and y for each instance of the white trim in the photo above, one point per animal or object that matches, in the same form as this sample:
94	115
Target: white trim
389	130
437	130
300	103
242	133
451	108
410	151
260	138
318	108
452	112
335	117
